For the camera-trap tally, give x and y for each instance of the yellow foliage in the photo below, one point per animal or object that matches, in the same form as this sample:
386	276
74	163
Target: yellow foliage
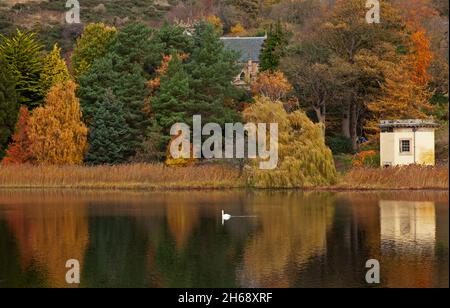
272	85
57	134
178	162
90	46
237	29
304	159
402	97
216	22
54	70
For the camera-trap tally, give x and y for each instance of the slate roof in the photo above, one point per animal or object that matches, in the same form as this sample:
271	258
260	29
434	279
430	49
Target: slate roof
249	48
407	123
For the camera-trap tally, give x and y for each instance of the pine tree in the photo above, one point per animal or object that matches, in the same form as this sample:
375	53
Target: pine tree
173	102
211	69
274	48
8	105
19	151
123	70
57	134
128	86
109	133
172	39
24	56
92	44
54	70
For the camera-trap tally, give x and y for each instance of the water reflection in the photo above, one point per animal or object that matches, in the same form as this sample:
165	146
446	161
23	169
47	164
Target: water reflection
408	226
177	239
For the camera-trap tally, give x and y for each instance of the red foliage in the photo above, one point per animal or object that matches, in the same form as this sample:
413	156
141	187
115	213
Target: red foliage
19	150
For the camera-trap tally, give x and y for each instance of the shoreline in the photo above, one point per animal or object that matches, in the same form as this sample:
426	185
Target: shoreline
212	189
158	177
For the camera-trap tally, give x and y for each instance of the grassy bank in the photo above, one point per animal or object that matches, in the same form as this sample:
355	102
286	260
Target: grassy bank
160	177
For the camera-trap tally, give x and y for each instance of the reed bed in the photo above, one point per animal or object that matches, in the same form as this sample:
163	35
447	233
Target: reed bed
133	176
406	177
161	177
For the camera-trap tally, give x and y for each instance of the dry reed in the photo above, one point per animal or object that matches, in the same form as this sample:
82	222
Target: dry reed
133	176
161	177
406	177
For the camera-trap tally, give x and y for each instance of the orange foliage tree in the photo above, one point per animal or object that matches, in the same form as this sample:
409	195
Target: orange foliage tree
423	57
57	134
19	150
272	85
401	98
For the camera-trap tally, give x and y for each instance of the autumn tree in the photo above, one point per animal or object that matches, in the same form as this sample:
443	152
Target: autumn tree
401	97
272	85
19	151
57	134
356	51
249	8
8	105
24	55
422	57
54	70
92	44
313	84
304	159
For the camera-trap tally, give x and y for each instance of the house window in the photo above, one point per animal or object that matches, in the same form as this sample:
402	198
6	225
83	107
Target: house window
242	76
405	146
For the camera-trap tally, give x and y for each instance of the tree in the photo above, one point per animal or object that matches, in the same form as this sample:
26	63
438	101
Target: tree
54	70
171	39
198	84
313	84
423	57
357	52
216	22
274	85
304	159
19	151
92	44
250	8
274	48
211	69
109	133
24	56
8	105
125	70
57	134
173	103
401	98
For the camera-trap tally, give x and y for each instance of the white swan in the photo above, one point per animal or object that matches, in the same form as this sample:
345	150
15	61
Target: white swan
225	217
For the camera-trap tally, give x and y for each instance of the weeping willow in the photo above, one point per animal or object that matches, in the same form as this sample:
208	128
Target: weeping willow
304	159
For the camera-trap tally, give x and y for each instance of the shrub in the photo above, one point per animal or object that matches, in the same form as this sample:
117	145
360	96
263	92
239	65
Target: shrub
339	144
366	159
